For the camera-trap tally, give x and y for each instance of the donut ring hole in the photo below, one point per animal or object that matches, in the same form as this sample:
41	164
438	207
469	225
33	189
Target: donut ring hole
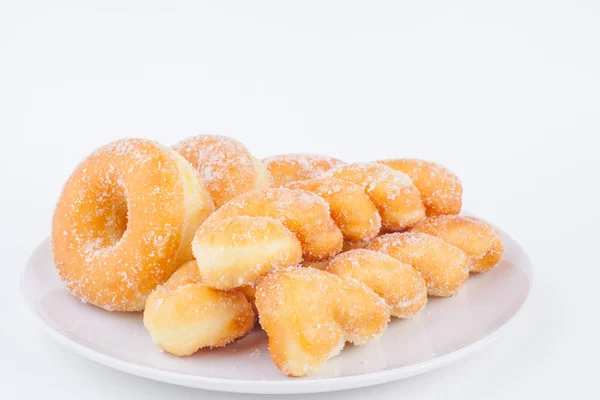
112	216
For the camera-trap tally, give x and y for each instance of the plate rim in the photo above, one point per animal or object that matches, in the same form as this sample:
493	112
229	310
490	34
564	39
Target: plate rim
293	385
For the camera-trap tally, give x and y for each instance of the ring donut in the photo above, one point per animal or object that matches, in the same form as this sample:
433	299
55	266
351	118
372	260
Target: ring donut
125	221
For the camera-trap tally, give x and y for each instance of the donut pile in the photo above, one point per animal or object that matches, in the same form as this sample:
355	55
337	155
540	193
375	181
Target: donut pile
207	240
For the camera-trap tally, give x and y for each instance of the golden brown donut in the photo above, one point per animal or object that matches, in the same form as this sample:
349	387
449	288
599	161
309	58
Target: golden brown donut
124	222
351	209
237	251
399	284
183	315
393	193
286	168
440	188
225	165
309	314
480	241
444	267
303	213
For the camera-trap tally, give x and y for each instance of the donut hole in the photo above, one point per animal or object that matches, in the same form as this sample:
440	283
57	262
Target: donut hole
114	212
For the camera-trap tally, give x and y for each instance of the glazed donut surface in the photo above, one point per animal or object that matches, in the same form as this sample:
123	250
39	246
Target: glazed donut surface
124	222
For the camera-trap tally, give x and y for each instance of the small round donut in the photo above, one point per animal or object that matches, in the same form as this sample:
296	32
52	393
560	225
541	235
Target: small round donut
309	314
236	251
440	188
183	315
399	284
124	222
286	168
351	209
303	213
393	193
225	165
444	267
480	241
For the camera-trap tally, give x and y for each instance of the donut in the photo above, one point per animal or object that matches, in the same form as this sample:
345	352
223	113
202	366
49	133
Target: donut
124	222
225	165
183	315
479	240
309	314
400	285
444	267
286	168
393	193
440	188
351	209
303	213
237	251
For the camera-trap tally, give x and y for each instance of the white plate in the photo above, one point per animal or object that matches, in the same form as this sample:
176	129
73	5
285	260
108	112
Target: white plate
448	329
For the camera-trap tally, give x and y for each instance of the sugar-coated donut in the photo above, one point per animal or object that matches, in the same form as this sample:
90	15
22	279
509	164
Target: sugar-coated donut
183	315
225	165
399	284
393	193
351	209
444	267
440	188
124	222
303	213
479	240
236	251
286	168
309	314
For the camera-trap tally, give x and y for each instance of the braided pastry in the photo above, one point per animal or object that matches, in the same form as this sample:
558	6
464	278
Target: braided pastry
234	249
286	168
393	193
440	188
309	314
444	267
351	209
183	315
225	165
400	285
480	241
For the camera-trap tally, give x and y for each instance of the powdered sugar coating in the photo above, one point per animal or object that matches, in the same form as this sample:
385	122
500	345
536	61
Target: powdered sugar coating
225	165
397	283
441	190
286	168
479	240
309	314
303	213
444	267
396	198
123	222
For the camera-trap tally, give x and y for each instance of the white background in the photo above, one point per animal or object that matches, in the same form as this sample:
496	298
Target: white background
507	94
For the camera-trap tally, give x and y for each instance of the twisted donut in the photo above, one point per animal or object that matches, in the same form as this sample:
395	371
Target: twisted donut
400	285
183	315
225	165
444	267
480	241
309	314
235	248
124	222
440	188
393	193
286	168
351	209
